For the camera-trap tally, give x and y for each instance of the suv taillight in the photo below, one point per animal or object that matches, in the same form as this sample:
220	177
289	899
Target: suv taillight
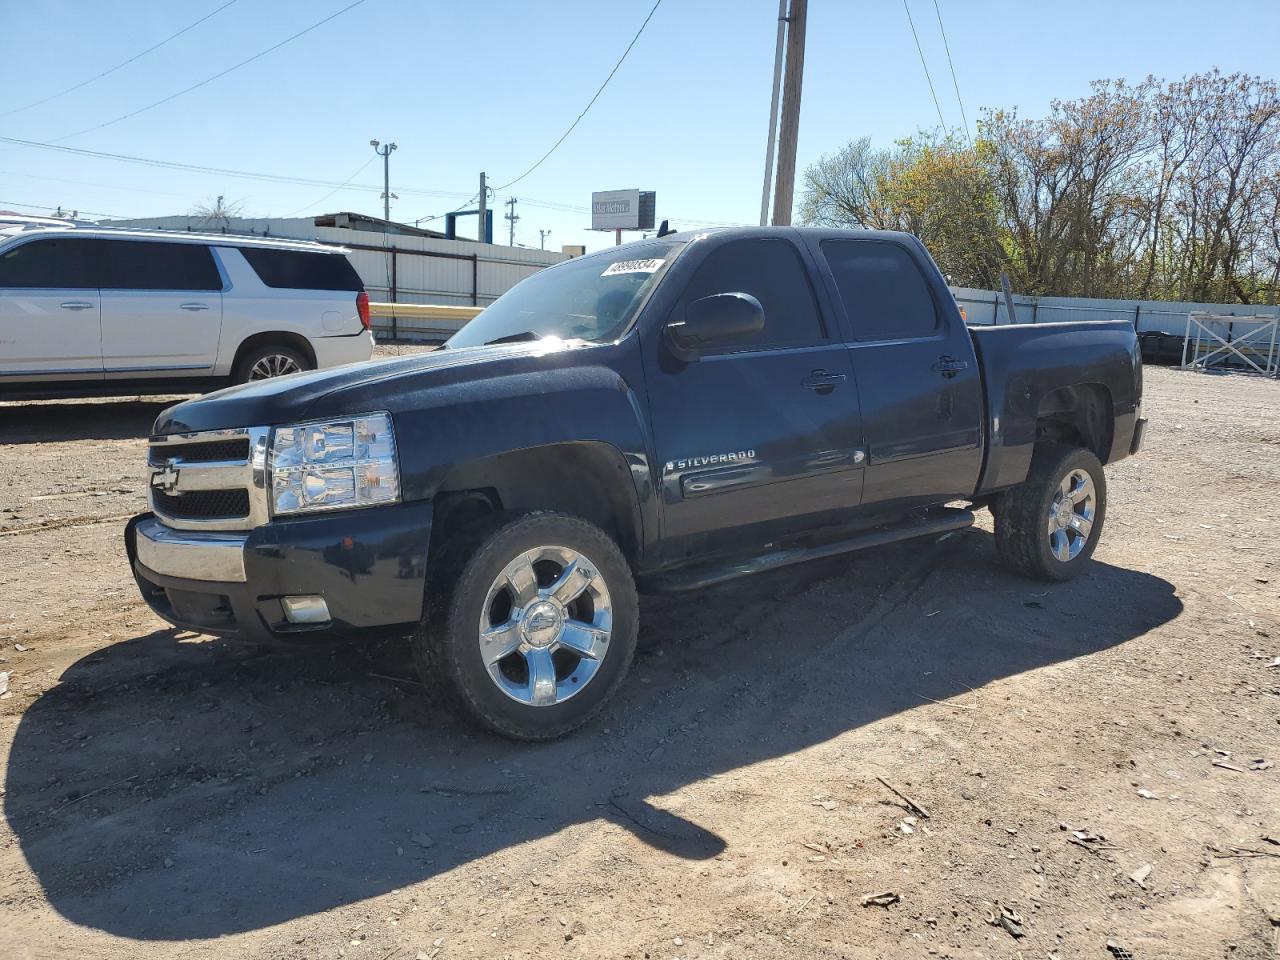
362	307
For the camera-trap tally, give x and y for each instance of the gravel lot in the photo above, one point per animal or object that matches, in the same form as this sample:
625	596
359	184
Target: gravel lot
170	795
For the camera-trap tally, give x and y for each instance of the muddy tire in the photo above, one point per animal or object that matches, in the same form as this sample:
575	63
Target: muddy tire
1047	528
530	624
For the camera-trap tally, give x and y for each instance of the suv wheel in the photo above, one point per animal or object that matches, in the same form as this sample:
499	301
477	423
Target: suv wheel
531	624
273	360
1048	527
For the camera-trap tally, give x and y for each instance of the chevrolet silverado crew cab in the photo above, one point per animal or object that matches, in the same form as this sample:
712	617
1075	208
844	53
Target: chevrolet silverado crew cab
97	311
659	416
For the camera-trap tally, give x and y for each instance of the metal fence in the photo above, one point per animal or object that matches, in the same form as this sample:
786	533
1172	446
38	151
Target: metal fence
988	307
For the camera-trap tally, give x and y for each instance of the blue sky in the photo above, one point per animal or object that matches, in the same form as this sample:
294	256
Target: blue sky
491	84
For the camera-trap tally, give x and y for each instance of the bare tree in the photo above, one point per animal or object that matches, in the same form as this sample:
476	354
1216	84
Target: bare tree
218	212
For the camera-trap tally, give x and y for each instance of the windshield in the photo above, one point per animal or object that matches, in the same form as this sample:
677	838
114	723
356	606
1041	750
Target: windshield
590	298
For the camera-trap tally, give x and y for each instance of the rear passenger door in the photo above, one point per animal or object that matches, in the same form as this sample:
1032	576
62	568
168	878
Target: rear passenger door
161	308
917	376
50	315
758	438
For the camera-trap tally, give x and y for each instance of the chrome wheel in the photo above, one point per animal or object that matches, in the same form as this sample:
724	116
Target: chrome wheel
1071	514
273	365
545	626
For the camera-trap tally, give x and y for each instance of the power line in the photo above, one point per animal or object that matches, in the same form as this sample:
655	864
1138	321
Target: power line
333	185
47	206
122	63
920	50
344	184
215	171
216	76
564	135
955	83
90	183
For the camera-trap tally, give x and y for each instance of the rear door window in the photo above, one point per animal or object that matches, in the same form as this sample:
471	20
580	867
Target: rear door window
772	272
302	269
147	265
60	263
885	295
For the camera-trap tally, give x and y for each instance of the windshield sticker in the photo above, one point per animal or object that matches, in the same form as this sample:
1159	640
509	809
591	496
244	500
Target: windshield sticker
632	266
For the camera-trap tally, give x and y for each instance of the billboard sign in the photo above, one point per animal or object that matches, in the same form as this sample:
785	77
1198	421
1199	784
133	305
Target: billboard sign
623	209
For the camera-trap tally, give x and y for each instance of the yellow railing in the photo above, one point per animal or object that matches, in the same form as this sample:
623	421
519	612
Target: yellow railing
429	320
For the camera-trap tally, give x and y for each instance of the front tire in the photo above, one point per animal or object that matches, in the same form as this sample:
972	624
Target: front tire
1048	527
531	624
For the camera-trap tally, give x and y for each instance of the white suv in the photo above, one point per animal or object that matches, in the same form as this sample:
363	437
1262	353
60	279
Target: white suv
94	311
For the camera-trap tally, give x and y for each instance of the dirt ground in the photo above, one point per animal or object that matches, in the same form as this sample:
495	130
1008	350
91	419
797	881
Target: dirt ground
1098	760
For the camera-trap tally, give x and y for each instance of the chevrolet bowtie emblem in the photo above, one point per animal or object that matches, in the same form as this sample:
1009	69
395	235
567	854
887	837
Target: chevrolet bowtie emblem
166	479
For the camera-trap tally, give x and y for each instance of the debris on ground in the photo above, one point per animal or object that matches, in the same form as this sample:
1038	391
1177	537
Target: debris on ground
1228	766
1119	952
1261	764
1140	875
1007	918
880	899
911	804
907	826
1148	795
4	682
1093	842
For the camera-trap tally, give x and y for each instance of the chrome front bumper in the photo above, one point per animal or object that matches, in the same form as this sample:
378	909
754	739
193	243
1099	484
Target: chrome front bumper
191	555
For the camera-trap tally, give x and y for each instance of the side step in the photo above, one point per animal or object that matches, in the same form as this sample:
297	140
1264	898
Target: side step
939	520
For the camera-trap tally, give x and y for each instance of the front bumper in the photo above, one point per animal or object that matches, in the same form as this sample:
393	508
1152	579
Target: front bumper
369	565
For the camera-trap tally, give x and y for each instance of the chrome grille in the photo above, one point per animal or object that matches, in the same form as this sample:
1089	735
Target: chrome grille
211	480
235	449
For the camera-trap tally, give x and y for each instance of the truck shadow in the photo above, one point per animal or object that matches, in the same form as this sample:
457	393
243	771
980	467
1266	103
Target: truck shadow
171	788
53	421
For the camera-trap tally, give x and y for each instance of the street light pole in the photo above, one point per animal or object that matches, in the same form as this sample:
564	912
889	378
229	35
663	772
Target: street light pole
385	153
542	241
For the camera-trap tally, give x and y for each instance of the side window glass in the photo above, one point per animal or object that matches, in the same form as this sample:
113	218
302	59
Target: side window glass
884	293
56	263
146	265
772	272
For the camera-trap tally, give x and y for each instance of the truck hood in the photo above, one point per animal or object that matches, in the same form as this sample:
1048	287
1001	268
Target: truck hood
299	396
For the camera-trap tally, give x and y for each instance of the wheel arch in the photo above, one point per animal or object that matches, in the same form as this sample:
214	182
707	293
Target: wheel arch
586	479
272	337
1079	415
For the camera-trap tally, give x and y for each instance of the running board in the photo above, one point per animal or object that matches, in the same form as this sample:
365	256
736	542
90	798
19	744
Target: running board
939	520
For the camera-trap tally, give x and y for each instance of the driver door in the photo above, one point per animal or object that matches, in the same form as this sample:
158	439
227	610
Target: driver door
761	437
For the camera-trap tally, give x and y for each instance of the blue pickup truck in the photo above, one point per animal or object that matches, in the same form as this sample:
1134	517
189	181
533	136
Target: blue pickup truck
659	416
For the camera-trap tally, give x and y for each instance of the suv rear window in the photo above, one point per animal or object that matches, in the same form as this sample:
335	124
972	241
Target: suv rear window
146	265
302	270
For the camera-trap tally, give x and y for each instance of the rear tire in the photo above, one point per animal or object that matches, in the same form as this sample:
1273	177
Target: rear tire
530	626
270	360
1048	527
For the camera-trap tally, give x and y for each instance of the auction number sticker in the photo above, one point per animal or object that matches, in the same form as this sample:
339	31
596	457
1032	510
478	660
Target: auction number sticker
632	266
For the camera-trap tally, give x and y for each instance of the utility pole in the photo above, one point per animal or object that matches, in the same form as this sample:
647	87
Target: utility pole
542	239
773	115
511	217
385	153
784	193
484	197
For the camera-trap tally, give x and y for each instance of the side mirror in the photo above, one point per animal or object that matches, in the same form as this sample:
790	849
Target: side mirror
712	320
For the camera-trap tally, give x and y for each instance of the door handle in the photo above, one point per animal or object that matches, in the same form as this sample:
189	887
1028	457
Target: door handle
820	381
949	366
194	306
77	305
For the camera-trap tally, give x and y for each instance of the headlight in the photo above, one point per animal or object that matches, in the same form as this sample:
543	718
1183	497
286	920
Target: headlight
334	464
